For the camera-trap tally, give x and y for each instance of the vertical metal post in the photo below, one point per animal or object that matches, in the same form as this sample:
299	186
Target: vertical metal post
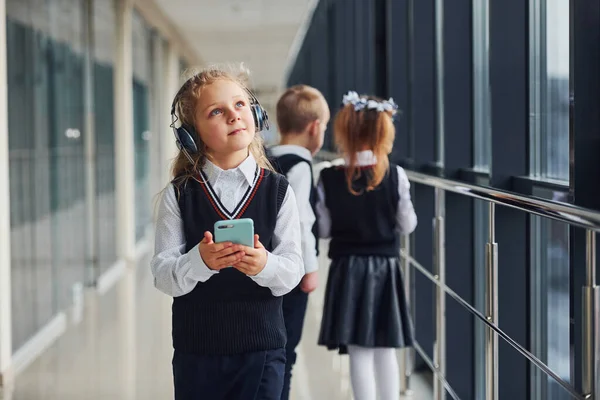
439	245
406	362
591	308
439	253
491	308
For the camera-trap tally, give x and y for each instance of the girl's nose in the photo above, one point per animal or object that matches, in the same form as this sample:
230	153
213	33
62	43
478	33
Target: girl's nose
234	116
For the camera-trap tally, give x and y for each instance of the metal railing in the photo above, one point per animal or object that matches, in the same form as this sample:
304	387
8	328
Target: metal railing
576	216
569	214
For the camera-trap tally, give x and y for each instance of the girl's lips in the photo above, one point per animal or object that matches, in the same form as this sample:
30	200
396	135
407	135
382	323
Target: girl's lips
235	132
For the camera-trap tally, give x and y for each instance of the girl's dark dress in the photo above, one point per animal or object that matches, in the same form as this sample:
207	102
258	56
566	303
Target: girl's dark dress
365	303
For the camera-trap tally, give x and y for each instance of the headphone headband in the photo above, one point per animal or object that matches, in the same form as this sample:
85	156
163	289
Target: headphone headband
181	90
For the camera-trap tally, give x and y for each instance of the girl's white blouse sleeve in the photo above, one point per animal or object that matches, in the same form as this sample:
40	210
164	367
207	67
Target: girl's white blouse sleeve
175	272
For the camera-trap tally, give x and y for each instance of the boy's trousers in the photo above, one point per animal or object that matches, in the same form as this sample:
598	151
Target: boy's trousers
248	376
294	310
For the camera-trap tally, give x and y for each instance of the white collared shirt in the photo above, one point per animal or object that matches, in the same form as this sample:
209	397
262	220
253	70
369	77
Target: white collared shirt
299	178
176	272
406	218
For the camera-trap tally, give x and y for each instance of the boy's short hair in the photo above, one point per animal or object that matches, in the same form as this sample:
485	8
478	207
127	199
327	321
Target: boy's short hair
297	107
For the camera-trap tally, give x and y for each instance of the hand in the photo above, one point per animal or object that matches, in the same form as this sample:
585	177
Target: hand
309	282
255	259
217	256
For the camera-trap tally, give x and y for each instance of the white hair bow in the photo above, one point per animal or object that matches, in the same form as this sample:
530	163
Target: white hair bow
360	103
350	98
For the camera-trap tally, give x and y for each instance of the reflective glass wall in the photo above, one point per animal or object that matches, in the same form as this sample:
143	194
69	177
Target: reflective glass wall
45	98
53	224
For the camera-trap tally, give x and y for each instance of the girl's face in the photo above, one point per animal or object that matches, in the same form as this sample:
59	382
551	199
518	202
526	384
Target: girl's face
224	120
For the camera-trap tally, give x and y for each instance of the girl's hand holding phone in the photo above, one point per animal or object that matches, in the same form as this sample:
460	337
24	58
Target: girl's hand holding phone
254	260
217	256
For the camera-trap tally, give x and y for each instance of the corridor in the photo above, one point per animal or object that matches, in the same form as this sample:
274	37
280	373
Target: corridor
121	349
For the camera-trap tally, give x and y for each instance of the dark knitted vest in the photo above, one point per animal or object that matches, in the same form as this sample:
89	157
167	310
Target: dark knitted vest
229	313
363	224
283	164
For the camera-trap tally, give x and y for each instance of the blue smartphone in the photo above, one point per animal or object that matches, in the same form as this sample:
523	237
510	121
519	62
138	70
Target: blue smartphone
238	231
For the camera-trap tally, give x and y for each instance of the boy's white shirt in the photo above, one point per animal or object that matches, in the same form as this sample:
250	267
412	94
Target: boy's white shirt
299	177
406	218
176	272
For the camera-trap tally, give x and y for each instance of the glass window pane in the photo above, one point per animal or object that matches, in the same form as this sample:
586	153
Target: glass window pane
104	42
550	302
45	118
481	87
549	88
67	162
142	78
29	160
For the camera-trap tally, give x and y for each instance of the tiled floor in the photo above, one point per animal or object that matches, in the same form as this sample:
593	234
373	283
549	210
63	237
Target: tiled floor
122	350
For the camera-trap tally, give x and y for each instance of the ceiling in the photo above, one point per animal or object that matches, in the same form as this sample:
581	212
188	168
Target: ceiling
259	33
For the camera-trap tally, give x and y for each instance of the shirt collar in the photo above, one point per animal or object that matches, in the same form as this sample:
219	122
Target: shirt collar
291	149
247	169
364	158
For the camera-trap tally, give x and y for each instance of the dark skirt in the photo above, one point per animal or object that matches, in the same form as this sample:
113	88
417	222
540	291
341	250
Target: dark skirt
365	304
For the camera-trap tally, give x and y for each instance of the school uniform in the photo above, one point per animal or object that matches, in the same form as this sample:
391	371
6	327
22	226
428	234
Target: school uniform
228	330
295	162
365	303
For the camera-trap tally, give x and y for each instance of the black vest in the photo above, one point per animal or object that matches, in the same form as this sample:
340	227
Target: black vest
363	224
229	313
283	164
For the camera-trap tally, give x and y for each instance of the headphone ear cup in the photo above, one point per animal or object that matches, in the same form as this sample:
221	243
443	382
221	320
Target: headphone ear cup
261	119
186	139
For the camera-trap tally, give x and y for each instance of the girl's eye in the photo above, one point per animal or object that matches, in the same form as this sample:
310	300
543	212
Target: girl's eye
240	103
216	111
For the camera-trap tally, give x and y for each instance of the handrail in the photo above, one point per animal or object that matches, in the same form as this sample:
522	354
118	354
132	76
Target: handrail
563	212
566	213
514	344
570	214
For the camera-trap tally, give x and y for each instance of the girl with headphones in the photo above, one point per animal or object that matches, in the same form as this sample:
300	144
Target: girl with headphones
228	329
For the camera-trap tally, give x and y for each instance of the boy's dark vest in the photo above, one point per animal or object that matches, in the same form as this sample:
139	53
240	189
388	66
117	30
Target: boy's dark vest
229	313
363	224
283	164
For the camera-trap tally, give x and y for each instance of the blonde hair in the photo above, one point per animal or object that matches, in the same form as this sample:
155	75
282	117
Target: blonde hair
185	108
367	129
297	107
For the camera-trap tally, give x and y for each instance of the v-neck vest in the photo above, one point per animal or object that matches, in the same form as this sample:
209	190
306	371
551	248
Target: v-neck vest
229	313
364	224
239	209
